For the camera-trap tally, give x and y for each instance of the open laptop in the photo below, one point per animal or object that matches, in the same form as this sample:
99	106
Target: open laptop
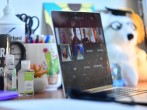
82	53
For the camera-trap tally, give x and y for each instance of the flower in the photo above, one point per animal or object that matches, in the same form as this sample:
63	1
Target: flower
45	50
38	70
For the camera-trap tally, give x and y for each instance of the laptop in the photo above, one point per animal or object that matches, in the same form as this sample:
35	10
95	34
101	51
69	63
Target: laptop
83	55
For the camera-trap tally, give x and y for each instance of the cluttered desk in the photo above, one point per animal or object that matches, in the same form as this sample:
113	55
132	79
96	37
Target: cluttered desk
33	74
58	94
55	100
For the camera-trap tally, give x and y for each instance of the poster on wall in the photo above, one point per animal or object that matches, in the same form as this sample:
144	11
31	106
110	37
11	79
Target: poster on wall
48	7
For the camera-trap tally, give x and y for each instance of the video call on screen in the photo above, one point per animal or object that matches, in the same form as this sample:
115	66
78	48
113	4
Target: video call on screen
82	50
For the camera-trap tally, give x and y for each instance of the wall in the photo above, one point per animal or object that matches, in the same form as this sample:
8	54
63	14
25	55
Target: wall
34	7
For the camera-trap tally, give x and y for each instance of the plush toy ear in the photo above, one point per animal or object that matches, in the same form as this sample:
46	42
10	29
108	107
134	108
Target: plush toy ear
140	27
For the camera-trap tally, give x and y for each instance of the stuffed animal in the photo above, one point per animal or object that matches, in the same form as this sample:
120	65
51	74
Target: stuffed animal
123	31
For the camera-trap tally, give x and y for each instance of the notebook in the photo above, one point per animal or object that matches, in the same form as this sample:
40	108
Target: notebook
82	53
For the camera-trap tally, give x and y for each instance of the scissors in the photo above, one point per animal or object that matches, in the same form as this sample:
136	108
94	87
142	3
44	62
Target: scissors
31	23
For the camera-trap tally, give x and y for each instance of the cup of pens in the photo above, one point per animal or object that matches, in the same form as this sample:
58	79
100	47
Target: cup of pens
39	39
46	55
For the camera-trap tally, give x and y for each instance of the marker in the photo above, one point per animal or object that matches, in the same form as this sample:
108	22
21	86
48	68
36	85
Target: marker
47	38
51	39
31	39
41	39
27	39
37	39
34	38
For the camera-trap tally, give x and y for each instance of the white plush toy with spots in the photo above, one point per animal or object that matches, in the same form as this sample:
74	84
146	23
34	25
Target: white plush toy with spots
123	31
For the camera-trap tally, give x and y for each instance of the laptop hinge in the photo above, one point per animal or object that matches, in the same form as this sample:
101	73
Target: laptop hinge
98	89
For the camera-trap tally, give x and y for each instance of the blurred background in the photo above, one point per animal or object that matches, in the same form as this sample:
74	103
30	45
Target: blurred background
35	7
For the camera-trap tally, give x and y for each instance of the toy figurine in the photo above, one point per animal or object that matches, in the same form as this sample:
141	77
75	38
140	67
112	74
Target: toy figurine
124	30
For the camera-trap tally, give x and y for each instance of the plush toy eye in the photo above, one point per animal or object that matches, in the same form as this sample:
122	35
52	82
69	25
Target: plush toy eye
116	25
133	26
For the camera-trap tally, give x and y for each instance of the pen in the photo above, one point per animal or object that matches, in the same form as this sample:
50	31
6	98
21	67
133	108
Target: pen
47	39
41	39
30	39
37	39
34	37
27	39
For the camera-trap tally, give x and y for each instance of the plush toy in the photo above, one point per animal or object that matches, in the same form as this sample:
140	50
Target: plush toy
123	32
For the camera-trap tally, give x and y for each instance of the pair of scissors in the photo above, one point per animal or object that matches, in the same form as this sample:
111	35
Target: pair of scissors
31	23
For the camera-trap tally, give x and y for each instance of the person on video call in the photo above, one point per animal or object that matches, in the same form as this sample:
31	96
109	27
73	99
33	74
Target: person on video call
65	56
75	39
80	52
74	43
63	37
85	39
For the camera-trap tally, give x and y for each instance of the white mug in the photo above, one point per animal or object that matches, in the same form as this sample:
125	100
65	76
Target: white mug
46	54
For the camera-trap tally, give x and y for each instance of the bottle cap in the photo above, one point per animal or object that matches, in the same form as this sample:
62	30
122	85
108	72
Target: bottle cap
25	64
9	16
8	9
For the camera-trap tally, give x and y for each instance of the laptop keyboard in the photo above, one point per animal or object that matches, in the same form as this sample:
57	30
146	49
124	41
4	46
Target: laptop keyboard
123	92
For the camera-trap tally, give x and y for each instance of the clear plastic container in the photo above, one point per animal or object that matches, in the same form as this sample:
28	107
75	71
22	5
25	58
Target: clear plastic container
10	24
25	79
10	74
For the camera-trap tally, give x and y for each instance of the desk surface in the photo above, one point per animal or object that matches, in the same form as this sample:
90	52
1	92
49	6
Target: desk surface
44	95
50	102
57	94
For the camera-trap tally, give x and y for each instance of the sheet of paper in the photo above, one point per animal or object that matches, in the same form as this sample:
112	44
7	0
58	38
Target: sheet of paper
64	104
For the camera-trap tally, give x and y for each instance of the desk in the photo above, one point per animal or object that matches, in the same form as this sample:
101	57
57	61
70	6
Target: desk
58	94
50	102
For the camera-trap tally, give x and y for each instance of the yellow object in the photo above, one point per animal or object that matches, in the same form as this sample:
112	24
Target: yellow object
84	7
48	7
140	26
38	70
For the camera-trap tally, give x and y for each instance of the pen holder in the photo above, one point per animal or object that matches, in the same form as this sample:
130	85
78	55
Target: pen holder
46	55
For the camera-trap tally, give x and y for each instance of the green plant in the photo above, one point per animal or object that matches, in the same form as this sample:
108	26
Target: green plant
52	62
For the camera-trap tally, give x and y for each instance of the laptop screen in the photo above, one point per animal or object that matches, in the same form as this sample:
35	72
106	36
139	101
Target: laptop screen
82	50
